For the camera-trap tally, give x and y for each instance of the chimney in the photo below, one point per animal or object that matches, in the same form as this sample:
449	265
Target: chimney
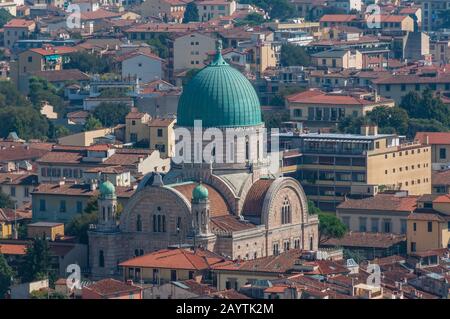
427	140
130	282
62	181
365	130
93	185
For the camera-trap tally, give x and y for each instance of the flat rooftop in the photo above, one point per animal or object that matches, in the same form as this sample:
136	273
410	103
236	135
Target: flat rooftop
336	136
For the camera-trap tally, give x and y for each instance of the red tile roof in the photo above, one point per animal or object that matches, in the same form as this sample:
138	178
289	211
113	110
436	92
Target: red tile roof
255	197
19	23
108	287
218	205
13	249
175	259
52	50
338	18
440	177
358	239
442	138
382	202
319	97
99	14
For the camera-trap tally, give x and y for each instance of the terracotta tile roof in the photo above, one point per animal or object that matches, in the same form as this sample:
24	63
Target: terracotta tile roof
411	10
175	259
162	122
11	151
319	97
281	263
428	216
442	199
78	115
108	287
229	223
13	249
70	189
66	157
338	18
255	197
135	114
442	138
18	178
359	239
413	79
218	205
228	294
392	18
124	158
52	50
440	177
141	51
99	14
19	23
198	288
384	202
62	75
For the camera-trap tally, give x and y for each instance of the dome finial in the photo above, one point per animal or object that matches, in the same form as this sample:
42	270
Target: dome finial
218	59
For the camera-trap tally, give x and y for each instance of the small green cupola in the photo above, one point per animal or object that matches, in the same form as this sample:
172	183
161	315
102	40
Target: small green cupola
107	190
200	193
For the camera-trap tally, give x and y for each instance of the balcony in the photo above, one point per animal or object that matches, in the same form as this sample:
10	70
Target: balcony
329	150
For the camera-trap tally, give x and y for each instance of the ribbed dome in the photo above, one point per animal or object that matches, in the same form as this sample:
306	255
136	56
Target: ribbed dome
220	96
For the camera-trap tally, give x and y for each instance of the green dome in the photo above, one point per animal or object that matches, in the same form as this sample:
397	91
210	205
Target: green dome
200	192
107	189
220	96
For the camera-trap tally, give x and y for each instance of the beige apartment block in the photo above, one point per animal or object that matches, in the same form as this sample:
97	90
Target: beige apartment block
210	9
190	51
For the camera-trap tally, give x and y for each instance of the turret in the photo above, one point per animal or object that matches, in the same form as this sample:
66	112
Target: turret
107	207
200	210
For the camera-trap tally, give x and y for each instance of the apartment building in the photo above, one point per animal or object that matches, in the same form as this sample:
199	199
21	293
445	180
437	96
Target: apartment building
429	225
211	9
332	166
167	10
440	148
47	58
432	13
317	109
385	212
396	86
17	29
71	163
338	59
157	132
440	51
18	185
190	50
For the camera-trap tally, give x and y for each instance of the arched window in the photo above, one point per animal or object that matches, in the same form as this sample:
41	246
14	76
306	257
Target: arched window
286	217
101	259
138	223
247	150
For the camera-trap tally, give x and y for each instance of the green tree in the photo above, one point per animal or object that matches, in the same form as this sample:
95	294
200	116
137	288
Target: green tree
191	13
79	226
252	19
6	201
26	121
92	123
274	119
294	55
159	44
45	294
41	90
111	114
330	227
5	16
277	9
61	131
389	119
6	275
87	62
36	263
10	96
352	124
424	125
426	107
313	209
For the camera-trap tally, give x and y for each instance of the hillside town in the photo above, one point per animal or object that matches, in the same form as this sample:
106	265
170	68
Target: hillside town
225	149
